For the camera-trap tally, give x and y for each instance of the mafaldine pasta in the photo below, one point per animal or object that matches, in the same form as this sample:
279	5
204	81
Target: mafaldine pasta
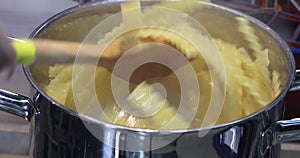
244	95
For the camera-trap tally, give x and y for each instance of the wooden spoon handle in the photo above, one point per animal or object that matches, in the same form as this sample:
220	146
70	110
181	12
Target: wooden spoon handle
62	51
53	48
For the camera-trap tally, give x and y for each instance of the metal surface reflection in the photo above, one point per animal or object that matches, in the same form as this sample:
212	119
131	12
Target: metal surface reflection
229	141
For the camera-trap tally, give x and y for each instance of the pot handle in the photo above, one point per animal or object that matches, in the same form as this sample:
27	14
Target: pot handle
296	84
16	104
285	130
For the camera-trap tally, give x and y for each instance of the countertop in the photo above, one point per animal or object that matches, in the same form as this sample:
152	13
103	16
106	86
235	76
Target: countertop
19	18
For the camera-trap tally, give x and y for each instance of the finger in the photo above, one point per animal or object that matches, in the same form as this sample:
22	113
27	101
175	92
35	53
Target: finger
7	56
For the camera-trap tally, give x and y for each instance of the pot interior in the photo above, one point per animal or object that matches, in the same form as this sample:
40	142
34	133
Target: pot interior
75	24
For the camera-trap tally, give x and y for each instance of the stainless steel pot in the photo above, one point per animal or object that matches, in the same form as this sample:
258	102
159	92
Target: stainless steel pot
59	132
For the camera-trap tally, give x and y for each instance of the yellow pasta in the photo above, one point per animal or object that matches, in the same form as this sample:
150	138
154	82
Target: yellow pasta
174	39
61	76
261	63
244	95
249	34
160	23
154	112
276	84
114	114
250	85
233	78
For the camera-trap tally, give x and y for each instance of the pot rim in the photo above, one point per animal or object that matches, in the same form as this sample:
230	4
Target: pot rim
279	98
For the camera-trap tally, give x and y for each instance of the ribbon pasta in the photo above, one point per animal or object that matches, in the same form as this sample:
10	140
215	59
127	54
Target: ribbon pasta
250	83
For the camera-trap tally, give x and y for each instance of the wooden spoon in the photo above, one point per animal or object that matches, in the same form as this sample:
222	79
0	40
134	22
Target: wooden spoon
55	51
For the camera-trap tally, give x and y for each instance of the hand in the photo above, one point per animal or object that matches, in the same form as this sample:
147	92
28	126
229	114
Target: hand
7	57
